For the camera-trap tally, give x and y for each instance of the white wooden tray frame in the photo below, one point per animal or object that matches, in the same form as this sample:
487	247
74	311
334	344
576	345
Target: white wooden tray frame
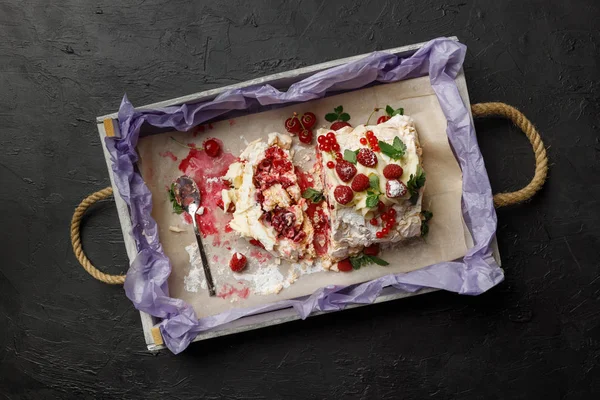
280	81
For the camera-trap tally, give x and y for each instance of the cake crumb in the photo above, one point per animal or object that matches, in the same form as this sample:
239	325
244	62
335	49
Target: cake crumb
176	229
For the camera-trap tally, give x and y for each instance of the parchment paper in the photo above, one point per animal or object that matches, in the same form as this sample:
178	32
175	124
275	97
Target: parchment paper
446	240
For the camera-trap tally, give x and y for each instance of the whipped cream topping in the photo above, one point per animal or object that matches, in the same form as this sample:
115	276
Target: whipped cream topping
350	227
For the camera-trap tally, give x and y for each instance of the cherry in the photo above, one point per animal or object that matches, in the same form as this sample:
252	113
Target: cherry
308	120
212	147
306	136
382	119
336	126
293	125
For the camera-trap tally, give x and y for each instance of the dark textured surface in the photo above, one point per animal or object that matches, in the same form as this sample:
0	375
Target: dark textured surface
64	335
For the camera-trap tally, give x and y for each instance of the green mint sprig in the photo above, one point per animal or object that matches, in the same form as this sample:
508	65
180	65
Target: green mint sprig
395	151
426	215
362	260
313	195
416	182
338	114
177	209
391	112
374	192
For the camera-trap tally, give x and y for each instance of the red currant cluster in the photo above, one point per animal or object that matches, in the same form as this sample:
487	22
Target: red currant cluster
371	140
302	126
388	221
328	144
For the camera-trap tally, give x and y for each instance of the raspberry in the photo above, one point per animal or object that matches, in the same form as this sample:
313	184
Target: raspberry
237	262
343	194
345	170
308	120
393	171
360	183
366	157
336	126
344	265
372	250
395	188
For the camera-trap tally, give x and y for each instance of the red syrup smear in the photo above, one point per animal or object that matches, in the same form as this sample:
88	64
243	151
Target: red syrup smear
169	155
228	291
201	168
260	256
315	212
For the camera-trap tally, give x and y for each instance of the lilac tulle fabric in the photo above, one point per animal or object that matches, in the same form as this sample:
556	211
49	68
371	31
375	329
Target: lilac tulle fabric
441	59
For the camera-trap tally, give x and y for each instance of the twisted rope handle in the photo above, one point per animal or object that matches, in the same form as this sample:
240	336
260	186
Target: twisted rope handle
479	110
76	238
541	158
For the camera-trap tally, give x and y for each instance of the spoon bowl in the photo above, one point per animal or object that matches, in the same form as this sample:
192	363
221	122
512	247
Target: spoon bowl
188	196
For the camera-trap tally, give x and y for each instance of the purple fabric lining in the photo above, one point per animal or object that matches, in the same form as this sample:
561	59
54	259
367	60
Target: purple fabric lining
441	59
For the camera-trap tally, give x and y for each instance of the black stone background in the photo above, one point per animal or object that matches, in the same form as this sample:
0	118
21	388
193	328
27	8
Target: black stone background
64	335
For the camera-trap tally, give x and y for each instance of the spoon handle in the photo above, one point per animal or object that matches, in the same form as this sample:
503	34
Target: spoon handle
207	273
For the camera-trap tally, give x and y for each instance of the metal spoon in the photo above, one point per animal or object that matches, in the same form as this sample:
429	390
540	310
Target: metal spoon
188	196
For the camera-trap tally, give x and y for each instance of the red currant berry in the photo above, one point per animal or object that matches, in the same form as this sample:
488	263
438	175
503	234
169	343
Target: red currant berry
335	147
381	206
330	164
322	139
212	147
331	136
363	141
325	147
385	231
339	156
392	213
373	221
379	235
369	134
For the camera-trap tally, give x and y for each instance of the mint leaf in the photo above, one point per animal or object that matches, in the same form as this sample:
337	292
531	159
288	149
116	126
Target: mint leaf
399	145
377	260
374	181
389	110
390	150
426	215
338	109
416	182
344	117
372	200
177	209
399	111
331	117
362	260
350	156
313	195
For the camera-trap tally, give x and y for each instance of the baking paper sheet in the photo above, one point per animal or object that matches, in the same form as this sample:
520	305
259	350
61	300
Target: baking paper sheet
441	59
445	242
